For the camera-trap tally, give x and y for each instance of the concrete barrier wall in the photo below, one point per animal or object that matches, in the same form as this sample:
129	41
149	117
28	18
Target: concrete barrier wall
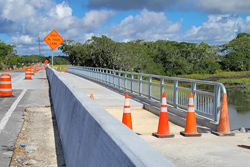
90	136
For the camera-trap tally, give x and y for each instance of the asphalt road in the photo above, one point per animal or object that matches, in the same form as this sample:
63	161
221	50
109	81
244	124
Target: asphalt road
26	93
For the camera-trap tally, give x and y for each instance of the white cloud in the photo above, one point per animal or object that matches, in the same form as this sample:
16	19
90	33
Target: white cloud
61	11
23	39
218	29
32	19
94	18
17	10
147	25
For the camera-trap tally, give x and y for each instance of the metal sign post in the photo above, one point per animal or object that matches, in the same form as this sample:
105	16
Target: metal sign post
52	58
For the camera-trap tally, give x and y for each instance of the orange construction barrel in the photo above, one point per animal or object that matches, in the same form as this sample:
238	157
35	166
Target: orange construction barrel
5	85
28	73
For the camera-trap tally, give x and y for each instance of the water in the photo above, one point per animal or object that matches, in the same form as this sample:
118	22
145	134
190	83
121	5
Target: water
238	108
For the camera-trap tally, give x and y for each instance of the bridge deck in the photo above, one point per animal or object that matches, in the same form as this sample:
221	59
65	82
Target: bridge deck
202	151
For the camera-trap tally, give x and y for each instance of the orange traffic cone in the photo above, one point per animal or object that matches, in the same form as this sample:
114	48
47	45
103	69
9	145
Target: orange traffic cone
92	96
127	119
65	69
5	85
190	128
224	127
60	69
163	126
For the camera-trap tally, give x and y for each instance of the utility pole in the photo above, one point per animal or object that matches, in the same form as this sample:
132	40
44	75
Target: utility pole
39	44
39	48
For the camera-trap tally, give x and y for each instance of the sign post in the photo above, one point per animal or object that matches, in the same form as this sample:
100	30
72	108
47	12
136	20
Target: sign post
53	39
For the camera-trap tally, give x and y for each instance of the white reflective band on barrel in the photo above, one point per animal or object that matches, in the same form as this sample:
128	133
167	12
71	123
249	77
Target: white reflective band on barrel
191	101
5	77
4	90
126	110
3	82
126	102
190	109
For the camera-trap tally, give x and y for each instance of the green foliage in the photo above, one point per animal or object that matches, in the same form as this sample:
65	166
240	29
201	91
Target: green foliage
59	60
7	54
238	54
32	59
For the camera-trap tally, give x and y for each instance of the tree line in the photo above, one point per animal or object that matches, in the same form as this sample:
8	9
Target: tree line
161	57
9	57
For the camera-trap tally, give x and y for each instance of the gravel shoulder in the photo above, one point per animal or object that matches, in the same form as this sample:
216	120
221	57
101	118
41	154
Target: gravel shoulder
38	144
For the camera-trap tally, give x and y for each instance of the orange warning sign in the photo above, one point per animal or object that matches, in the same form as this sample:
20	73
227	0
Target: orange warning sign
53	39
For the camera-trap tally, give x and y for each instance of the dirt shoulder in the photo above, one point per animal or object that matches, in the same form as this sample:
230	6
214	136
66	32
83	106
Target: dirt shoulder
38	144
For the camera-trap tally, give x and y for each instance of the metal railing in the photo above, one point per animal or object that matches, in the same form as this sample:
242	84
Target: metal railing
207	94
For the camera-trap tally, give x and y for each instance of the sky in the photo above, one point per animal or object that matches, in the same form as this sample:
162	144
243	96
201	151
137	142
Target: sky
215	22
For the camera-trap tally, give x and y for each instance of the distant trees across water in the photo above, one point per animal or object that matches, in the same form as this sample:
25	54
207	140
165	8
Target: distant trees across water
160	57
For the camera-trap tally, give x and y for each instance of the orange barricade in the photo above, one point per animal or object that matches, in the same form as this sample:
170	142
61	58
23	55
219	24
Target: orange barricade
28	73
5	85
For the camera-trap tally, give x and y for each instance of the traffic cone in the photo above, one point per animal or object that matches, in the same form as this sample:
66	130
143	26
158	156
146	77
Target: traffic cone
60	69
5	85
126	119
223	127
163	126
65	69
92	96
190	128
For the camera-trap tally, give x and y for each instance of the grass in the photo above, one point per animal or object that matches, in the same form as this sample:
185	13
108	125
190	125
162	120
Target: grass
62	66
218	76
239	82
233	80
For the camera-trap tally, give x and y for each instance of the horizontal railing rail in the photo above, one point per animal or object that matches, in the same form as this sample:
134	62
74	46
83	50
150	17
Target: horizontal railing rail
207	94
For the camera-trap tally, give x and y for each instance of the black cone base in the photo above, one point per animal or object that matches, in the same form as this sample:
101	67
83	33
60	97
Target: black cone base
190	135
222	134
163	136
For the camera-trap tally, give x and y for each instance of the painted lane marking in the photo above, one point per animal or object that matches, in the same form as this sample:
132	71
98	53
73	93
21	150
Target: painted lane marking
10	111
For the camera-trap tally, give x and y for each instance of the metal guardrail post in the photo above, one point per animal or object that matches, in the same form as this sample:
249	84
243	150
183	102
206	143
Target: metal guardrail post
132	83
119	80
140	85
110	77
216	102
149	87
175	93
101	75
161	87
125	81
114	77
193	87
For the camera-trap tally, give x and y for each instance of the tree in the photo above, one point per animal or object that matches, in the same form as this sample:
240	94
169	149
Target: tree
237	56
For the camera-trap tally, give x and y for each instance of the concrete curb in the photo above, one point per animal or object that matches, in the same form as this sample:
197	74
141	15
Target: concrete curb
91	136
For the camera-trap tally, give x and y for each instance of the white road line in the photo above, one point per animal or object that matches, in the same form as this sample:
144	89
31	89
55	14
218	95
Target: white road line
10	111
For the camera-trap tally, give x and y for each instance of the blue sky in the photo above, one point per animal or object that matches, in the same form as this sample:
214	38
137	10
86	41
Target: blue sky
212	21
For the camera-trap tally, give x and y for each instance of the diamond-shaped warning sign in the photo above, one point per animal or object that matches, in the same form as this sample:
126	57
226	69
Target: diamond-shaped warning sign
53	39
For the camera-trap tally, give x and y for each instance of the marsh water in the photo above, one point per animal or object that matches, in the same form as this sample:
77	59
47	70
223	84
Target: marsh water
238	108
